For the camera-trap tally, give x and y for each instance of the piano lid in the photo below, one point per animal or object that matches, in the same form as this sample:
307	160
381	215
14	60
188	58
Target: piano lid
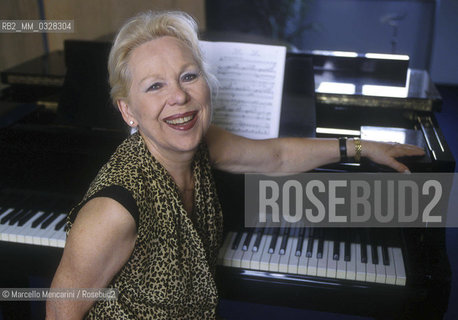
372	80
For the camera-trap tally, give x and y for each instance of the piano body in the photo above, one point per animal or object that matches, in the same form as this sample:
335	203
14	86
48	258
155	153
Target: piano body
52	149
382	273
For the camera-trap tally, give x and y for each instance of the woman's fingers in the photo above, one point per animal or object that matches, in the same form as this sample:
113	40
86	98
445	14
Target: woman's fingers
386	154
398	166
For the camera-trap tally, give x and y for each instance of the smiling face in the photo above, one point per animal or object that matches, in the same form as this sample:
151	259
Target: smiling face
169	99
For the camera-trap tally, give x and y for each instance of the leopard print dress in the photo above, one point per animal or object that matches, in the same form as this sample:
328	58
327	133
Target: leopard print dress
170	273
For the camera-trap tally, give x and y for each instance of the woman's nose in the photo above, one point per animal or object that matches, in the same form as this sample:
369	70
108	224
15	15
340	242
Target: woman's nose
177	95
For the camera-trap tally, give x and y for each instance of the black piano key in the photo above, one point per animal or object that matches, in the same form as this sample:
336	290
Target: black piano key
19	216
319	253
10	216
237	239
385	255
273	241
374	254
61	224
300	242
30	214
363	253
363	247
257	242
336	251
373	244
40	219
284	240
336	246
3	212
49	220
347	246
309	250
247	241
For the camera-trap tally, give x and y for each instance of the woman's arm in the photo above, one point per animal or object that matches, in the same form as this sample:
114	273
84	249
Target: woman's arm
236	154
99	244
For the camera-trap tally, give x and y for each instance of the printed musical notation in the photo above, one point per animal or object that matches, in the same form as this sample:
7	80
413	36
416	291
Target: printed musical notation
248	101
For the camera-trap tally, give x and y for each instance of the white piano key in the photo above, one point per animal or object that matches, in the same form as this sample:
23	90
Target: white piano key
293	259
399	266
247	255
265	258
227	259
390	269
47	237
223	248
323	262
61	238
331	268
303	260
12	232
341	271
7	233
55	240
360	267
255	263
284	259
313	261
26	229
351	265
37	235
5	226
370	267
238	254
274	264
380	268
34	235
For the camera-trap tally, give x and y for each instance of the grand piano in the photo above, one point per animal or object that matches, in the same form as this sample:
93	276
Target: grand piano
58	128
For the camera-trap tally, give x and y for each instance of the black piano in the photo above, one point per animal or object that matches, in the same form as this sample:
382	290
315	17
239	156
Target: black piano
382	273
57	127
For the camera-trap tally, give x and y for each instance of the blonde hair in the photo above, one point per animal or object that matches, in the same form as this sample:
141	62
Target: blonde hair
145	27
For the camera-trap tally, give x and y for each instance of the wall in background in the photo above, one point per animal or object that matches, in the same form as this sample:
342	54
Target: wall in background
403	27
93	19
17	48
444	66
388	26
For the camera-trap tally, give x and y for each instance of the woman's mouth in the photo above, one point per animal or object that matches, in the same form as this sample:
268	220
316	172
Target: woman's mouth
184	121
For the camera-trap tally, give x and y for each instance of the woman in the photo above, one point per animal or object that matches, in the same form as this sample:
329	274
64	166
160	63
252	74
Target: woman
150	224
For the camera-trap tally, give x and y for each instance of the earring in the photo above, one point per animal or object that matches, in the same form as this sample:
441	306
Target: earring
131	122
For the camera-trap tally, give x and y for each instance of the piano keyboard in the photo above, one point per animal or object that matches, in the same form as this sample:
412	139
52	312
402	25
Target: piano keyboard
30	226
299	251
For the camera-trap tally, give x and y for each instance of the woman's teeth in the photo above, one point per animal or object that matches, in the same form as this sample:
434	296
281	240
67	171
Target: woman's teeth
180	120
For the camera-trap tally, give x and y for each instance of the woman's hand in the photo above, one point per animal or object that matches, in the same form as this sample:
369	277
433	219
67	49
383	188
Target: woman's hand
386	153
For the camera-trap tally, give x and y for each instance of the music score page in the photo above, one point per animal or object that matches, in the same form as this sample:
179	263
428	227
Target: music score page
248	102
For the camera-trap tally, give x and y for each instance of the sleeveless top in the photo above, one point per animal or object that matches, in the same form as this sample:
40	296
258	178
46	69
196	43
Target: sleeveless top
170	273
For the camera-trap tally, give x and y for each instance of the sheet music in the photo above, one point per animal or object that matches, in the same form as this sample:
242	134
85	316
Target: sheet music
250	76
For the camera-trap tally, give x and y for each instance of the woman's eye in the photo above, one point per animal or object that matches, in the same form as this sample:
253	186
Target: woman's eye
189	76
154	86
